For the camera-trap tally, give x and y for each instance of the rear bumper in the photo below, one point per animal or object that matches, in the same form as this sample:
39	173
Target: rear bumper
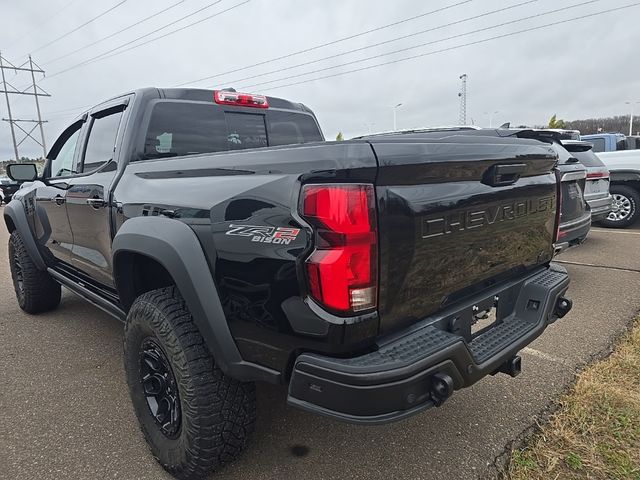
421	366
600	207
573	232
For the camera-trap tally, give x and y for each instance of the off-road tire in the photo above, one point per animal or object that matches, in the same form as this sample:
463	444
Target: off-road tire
217	413
36	290
633	198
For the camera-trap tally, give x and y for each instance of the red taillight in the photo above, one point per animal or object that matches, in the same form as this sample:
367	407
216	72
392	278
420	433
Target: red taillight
592	175
342	270
225	97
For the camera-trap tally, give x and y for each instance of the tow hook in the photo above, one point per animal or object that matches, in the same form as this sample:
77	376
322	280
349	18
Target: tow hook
511	367
562	307
441	388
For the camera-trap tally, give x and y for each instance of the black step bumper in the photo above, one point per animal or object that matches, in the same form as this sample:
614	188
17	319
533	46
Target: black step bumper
420	367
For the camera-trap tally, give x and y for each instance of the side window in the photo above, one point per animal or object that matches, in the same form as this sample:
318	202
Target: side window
102	141
62	164
598	144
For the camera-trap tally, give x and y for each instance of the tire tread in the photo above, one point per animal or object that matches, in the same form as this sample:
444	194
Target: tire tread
41	292
218	412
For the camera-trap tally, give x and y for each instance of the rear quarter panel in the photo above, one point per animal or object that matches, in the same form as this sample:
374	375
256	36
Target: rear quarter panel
243	208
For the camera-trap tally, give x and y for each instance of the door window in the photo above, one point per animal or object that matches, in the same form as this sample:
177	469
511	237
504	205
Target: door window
102	141
62	164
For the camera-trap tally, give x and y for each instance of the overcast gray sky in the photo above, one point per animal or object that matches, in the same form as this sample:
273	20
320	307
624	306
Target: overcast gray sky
584	68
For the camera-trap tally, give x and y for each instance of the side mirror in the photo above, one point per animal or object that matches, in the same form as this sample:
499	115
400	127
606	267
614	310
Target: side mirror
22	172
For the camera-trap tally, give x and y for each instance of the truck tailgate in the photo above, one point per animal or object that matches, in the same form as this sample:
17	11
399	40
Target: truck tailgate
457	215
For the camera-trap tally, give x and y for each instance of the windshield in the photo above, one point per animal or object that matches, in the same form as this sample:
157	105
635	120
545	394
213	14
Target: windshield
187	128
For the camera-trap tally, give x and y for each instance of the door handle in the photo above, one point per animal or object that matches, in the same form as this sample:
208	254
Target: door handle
96	202
500	175
59	199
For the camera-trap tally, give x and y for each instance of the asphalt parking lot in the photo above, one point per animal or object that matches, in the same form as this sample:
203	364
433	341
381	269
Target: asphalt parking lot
65	410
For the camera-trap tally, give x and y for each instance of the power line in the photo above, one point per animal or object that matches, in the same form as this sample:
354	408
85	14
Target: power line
425	44
333	42
178	29
403	37
135	24
79	27
105	55
61	10
48	19
89	60
64	115
56	112
455	47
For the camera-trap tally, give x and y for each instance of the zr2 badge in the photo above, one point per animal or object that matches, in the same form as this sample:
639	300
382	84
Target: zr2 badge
258	233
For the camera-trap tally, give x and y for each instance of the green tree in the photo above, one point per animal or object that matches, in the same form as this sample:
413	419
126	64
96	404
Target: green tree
339	137
555	122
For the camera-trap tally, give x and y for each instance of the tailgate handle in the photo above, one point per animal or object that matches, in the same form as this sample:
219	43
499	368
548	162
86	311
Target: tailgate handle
499	175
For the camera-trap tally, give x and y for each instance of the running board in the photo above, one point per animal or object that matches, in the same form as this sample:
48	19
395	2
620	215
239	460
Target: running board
88	295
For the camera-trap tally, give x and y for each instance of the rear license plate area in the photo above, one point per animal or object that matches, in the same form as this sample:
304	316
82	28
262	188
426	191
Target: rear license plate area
476	319
596	186
483	321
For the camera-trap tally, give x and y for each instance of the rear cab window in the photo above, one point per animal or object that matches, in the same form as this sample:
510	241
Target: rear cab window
178	128
588	159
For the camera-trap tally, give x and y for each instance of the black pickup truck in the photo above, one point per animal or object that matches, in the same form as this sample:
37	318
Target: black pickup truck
373	277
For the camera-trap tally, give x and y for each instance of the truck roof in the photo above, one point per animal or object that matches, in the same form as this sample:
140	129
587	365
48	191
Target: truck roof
204	95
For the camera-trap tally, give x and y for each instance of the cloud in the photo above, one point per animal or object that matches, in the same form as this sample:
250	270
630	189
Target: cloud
580	69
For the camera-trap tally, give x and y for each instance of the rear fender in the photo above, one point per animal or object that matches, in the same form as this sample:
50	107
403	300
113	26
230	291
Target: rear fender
175	246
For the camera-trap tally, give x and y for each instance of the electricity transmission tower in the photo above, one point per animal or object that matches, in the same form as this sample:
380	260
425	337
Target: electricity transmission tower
33	90
462	116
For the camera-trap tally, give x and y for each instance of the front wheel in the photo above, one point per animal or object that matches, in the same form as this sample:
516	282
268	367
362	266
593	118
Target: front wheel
624	213
36	290
192	415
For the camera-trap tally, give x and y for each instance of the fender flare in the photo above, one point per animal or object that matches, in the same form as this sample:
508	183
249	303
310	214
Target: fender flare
175	246
15	211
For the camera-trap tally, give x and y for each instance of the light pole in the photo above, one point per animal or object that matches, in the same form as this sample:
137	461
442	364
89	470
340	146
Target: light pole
395	108
491	114
631	116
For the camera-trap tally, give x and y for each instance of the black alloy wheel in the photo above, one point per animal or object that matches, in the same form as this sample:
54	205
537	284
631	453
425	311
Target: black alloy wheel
160	388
